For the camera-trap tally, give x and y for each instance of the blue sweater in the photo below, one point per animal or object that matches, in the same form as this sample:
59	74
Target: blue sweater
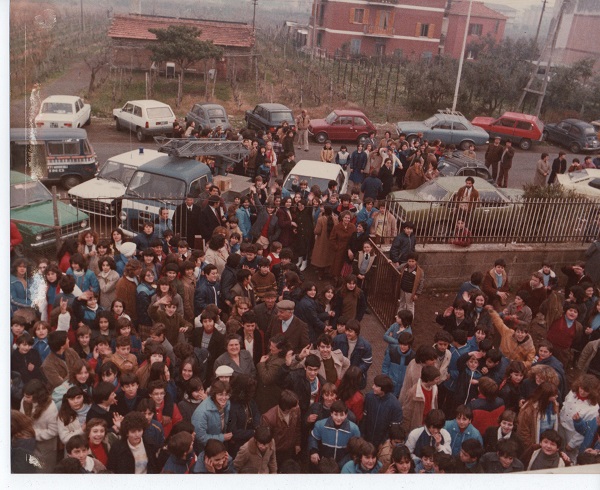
459	437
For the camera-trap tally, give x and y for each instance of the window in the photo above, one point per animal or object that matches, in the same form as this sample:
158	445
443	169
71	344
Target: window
427	56
359	121
343	121
475	29
497	27
137	111
359	15
575	131
508	123
128	108
564	126
355	46
443	125
527	126
424	30
384	19
459	126
70	147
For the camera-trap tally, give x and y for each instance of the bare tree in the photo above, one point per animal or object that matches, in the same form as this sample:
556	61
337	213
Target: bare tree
98	59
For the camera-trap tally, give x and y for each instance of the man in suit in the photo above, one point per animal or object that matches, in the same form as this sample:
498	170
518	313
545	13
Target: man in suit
559	166
186	220
493	154
291	327
505	164
466	196
210	217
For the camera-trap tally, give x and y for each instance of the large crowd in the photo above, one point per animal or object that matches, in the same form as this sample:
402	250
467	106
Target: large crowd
199	346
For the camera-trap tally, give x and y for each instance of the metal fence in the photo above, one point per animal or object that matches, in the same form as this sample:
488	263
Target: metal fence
540	221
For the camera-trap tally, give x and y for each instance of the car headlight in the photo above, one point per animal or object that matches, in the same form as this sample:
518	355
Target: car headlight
123	216
83	223
38	237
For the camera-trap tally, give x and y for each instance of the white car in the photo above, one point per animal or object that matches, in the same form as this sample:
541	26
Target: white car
585	182
319	173
63	111
145	118
102	195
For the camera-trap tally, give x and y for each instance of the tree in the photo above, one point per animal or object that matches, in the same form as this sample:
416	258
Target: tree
99	58
180	45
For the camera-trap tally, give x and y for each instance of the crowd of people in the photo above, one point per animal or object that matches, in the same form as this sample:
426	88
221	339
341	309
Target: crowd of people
155	354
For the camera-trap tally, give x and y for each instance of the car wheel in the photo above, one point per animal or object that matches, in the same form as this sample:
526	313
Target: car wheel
321	137
141	137
70	181
89	121
545	136
525	144
362	138
464	145
118	124
574	147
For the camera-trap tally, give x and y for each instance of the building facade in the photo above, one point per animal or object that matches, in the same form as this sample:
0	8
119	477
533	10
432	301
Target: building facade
579	33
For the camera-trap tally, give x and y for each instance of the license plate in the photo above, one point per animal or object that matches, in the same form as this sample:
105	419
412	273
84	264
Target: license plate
162	123
53	125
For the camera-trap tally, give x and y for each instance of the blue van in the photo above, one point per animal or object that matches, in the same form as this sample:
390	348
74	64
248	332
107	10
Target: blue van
53	155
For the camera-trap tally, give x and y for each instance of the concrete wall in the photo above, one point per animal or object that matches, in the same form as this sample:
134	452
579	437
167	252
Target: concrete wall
446	267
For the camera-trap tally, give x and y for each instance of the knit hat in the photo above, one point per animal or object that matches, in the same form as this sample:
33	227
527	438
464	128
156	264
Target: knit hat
223	371
128	249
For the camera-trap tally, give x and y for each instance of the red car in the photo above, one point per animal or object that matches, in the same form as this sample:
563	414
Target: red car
342	125
520	129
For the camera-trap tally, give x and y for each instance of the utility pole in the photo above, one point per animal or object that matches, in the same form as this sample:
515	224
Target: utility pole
314	28
254	2
81	9
537	33
462	57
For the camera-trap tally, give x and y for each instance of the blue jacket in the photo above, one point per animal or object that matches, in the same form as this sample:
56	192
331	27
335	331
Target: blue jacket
379	413
144	298
329	441
207	422
19	296
459	437
394	365
588	429
352	467
142	241
364	215
362	355
391	335
87	281
41	345
402	246
244	222
178	466
307	309
205	294
450	383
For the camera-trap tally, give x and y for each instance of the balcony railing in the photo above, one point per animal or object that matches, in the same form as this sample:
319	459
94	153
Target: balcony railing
378	31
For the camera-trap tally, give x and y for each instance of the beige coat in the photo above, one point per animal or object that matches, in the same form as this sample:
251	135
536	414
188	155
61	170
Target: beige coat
250	460
414	405
321	255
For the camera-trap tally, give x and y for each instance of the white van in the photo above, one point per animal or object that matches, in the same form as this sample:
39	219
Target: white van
316	173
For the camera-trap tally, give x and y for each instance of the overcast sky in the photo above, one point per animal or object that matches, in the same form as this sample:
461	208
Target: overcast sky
519	4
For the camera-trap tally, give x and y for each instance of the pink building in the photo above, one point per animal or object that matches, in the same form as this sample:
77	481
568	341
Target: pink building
483	22
408	28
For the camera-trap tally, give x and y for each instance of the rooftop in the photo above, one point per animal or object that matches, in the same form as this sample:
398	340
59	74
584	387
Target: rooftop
229	34
478	10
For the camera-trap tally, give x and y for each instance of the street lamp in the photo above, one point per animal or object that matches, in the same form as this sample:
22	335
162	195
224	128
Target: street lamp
462	57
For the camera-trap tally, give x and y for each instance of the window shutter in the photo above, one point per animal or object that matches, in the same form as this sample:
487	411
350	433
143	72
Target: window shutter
391	21
352	16
418	30
366	17
431	30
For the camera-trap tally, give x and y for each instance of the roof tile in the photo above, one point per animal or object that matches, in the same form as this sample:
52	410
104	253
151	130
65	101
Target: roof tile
478	10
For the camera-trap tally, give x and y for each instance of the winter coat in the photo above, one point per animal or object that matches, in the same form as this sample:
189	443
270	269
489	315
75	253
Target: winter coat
56	370
144	298
486	412
489	287
261	220
457	437
108	288
246	365
122	462
414	406
19	295
307	310
330	441
243	216
86	281
285	435
402	245
339	239
352	468
244	419
528	423
284	220
321	255
379	413
126	291
267	389
206	293
592	261
250	460
207	422
572	405
394	365
509	346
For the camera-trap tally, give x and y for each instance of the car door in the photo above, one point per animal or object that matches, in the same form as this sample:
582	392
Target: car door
559	132
441	130
341	129
360	127
125	115
78	114
197	114
137	117
503	127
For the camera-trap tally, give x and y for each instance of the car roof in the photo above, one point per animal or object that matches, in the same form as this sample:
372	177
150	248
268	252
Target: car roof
349	112
186	169
209	105
450	117
460	160
452	184
578	122
519	115
23	134
19	177
313	168
61	98
275	107
147	103
134	158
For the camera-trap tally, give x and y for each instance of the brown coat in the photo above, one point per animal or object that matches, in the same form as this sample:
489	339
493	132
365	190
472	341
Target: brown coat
414	178
414	404
286	436
321	255
508	343
127	292
296	334
250	460
339	239
488	286
528	424
56	370
189	288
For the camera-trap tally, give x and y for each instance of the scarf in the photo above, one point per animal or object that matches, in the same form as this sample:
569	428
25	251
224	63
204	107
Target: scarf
104	275
78	273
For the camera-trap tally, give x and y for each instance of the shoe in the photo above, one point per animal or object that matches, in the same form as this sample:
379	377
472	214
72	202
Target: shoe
304	265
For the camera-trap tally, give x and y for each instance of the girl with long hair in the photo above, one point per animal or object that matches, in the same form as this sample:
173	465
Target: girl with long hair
539	413
349	391
71	416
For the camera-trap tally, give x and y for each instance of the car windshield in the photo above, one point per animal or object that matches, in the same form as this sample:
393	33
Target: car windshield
293	182
431	191
578	175
279	117
429	122
446	169
116	171
28	193
495	196
589	131
331	117
57	108
159	187
157	112
216	113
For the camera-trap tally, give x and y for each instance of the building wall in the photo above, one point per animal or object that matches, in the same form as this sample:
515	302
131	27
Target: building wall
583	39
339	23
456	31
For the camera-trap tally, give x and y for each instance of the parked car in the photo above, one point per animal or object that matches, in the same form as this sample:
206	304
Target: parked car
574	134
459	165
433	208
316	173
596	125
521	129
53	155
207	115
31	208
63	111
585	182
341	125
269	117
145	118
450	127
102	195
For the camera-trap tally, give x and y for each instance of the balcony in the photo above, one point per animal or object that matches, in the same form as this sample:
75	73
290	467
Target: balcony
389	2
371	30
